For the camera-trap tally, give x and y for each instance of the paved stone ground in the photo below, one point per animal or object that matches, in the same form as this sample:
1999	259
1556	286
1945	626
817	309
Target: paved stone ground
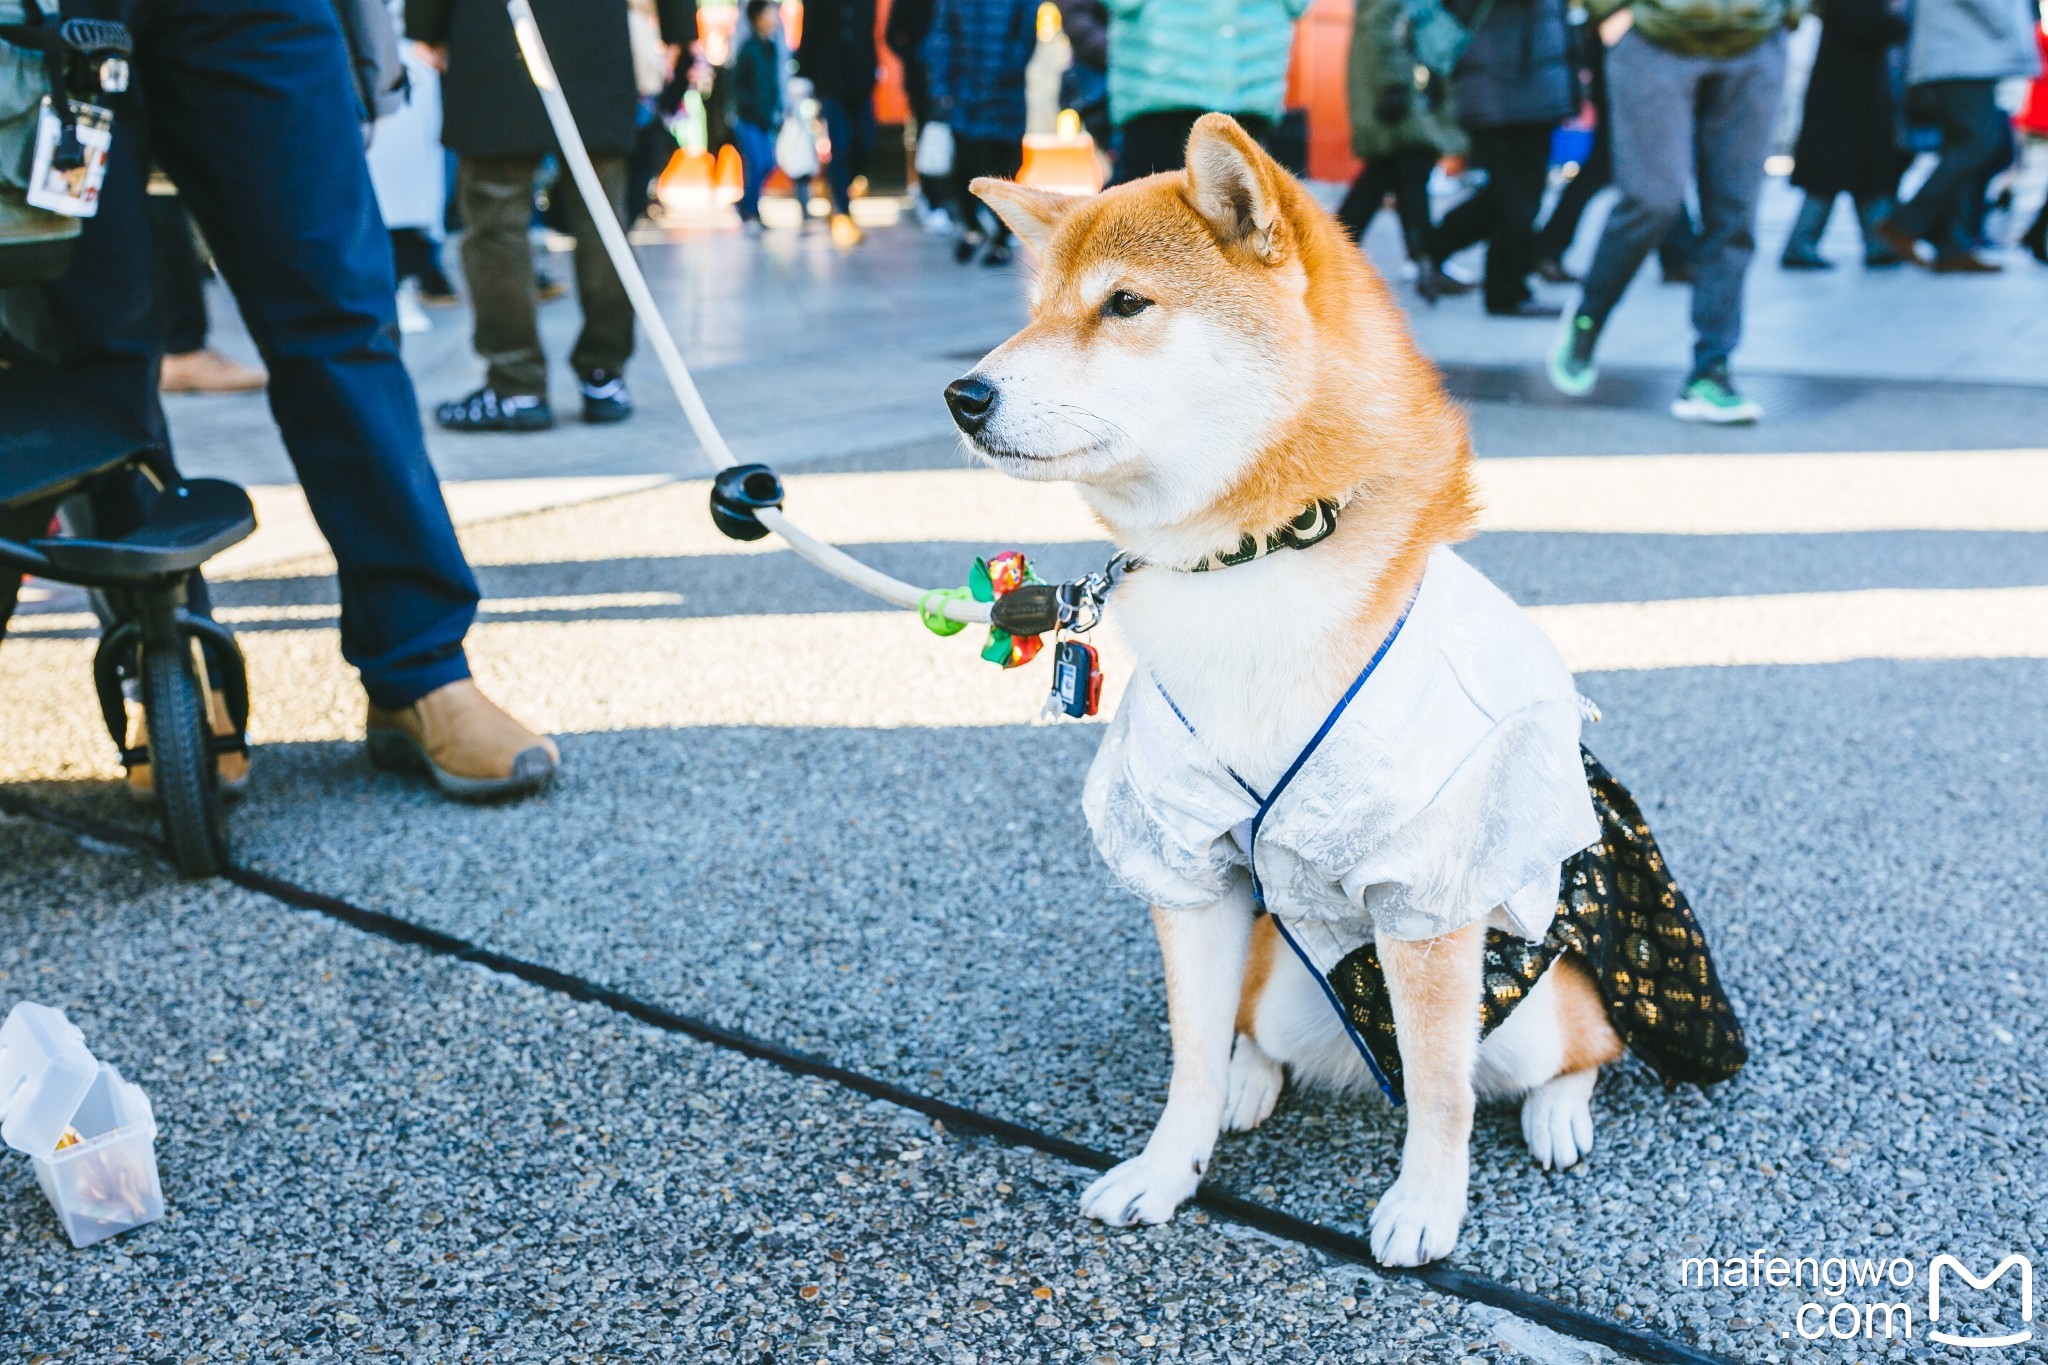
884	865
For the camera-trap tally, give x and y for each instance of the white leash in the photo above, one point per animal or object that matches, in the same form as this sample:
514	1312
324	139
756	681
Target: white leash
713	451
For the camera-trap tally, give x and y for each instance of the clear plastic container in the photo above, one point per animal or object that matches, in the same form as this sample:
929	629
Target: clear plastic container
90	1134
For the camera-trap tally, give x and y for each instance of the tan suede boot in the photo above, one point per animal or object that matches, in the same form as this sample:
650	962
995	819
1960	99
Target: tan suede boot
460	738
208	371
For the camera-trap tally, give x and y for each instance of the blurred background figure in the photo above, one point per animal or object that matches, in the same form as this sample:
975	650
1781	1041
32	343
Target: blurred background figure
406	169
493	121
1596	173
975	57
1084	87
189	364
661	75
1694	90
1848	135
1514	86
1958	53
909	24
1402	123
1171	61
837	55
757	106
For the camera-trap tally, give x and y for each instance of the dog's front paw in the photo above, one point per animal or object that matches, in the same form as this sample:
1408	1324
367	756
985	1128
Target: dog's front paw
1145	1189
1557	1121
1417	1220
1255	1084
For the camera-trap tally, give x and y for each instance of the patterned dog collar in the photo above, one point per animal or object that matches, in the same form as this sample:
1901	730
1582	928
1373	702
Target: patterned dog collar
1310	526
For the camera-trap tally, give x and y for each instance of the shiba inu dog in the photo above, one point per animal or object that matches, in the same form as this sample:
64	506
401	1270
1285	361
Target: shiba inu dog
1213	363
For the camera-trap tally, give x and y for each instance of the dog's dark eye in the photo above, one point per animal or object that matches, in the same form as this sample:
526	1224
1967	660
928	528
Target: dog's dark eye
1124	304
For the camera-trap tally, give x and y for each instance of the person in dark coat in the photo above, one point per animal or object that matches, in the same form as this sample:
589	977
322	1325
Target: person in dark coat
976	55
493	121
1514	86
1847	139
909	24
837	56
1084	86
1402	122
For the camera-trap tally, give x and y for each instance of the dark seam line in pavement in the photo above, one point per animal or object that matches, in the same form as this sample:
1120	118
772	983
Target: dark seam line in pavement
1334	1242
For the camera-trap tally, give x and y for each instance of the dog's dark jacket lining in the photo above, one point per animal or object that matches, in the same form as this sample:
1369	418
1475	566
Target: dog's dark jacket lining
1620	910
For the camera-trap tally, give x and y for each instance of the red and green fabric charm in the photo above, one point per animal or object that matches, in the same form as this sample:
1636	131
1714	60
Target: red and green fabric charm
990	579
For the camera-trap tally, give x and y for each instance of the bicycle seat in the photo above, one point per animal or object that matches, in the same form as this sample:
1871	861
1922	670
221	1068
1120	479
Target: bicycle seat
192	522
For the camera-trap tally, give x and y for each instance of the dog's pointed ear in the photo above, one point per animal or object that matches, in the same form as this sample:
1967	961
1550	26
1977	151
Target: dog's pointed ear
1235	186
1031	214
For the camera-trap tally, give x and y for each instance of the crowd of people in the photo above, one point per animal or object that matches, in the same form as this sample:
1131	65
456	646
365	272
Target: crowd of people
331	254
1681	98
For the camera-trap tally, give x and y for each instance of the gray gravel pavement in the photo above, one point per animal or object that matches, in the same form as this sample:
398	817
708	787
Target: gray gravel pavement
1863	841
369	1151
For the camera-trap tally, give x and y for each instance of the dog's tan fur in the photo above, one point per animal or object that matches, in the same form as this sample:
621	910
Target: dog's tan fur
1289	376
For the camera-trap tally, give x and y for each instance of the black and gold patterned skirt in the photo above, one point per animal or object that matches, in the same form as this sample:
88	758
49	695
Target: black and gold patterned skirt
1621	912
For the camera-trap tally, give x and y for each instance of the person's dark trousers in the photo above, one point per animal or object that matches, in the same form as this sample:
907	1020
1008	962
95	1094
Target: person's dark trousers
414	256
1150	143
936	190
653	147
850	124
1516	160
977	156
1811	222
180	276
1403	174
1975	134
497	260
1675	113
249	106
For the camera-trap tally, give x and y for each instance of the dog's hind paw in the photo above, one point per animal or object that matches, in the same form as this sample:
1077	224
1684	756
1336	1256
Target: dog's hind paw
1417	1220
1557	1120
1144	1189
1255	1084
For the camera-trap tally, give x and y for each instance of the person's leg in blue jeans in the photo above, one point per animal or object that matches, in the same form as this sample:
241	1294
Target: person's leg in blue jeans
1652	93
851	127
757	159
251	110
1737	113
252	114
1975	134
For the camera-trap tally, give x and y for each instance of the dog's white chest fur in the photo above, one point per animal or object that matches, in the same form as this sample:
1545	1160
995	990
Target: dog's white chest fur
1254	656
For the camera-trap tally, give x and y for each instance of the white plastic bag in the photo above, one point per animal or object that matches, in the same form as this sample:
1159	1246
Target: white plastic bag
935	151
796	151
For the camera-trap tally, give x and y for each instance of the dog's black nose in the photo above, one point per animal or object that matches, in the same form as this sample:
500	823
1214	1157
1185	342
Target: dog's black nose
971	400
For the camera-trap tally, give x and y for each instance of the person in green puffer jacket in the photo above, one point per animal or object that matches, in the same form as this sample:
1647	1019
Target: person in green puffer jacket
1171	61
1704	28
1402	122
1689	83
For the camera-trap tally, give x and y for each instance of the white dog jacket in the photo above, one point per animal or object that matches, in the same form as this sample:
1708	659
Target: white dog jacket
1445	786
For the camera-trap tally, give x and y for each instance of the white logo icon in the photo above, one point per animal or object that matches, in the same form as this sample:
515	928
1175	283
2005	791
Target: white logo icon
2021	1263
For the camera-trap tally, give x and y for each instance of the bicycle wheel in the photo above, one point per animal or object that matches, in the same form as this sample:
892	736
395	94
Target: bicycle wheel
181	761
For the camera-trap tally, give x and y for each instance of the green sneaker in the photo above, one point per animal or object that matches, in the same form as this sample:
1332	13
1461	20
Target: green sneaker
1710	396
1572	371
